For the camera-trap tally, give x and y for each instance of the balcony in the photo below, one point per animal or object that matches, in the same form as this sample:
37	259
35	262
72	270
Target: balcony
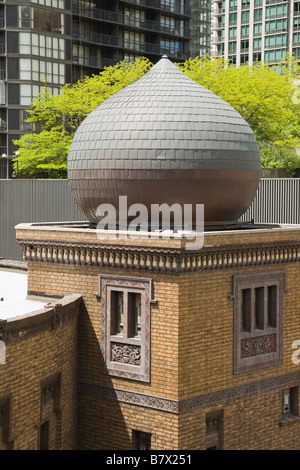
270	2
219	11
121	19
132	46
93	62
161	5
98	38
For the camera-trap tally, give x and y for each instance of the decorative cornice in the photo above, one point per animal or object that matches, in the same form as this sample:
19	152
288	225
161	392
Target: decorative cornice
161	259
189	404
51	317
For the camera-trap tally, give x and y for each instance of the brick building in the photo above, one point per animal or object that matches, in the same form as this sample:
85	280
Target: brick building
177	348
201	380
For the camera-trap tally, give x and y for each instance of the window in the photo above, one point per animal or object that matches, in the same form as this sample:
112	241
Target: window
141	440
258	14
258	320
257	57
289	403
275	56
245	16
257	29
24	17
135	41
214	430
232	18
134	18
125	326
245	31
257	44
44	436
232	33
278	25
50	431
47	20
5	412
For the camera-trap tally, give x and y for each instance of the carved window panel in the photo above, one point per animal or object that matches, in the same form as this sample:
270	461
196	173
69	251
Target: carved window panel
258	320
125	326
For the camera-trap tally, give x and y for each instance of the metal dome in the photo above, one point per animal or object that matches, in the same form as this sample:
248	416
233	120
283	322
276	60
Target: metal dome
165	139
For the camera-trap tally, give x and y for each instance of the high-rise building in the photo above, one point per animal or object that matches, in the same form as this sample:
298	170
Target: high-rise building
61	41
105	32
200	28
246	31
35	48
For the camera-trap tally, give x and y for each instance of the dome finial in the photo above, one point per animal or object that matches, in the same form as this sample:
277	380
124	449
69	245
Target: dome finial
165	56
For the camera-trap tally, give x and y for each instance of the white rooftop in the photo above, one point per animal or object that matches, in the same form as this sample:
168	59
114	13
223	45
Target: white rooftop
13	291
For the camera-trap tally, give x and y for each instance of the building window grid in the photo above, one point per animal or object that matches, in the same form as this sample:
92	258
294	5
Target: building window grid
41	19
41	45
60	4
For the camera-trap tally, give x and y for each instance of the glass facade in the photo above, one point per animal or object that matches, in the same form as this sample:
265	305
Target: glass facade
200	27
35	37
106	32
265	29
61	41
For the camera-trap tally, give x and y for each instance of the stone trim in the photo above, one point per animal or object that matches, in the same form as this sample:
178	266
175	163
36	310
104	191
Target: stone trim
52	316
161	259
189	404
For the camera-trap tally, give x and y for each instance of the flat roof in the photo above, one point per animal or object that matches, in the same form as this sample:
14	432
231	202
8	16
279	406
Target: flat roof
13	295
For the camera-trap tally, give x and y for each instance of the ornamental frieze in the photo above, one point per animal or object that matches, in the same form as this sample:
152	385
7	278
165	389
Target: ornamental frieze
161	259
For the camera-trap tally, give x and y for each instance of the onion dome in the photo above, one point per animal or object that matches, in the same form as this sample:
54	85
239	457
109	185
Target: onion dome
165	139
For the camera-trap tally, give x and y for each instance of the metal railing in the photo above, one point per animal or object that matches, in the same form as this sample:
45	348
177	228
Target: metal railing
120	18
136	46
91	61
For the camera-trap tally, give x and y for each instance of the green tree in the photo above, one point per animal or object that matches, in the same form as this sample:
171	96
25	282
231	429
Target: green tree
263	95
267	98
43	153
275	156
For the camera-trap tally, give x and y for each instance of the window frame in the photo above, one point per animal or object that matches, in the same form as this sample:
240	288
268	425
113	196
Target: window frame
292	414
138	345
273	335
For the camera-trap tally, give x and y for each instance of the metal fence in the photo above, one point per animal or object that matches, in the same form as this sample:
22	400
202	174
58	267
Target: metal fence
32	201
277	201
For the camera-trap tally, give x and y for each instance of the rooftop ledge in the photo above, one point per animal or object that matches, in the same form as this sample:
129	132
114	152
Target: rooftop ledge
17	304
80	232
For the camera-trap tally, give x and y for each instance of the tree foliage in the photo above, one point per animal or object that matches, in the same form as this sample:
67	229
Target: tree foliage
55	118
267	98
264	96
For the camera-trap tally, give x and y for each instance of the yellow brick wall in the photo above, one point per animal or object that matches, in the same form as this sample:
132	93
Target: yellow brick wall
30	360
206	330
106	425
51	279
252	422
